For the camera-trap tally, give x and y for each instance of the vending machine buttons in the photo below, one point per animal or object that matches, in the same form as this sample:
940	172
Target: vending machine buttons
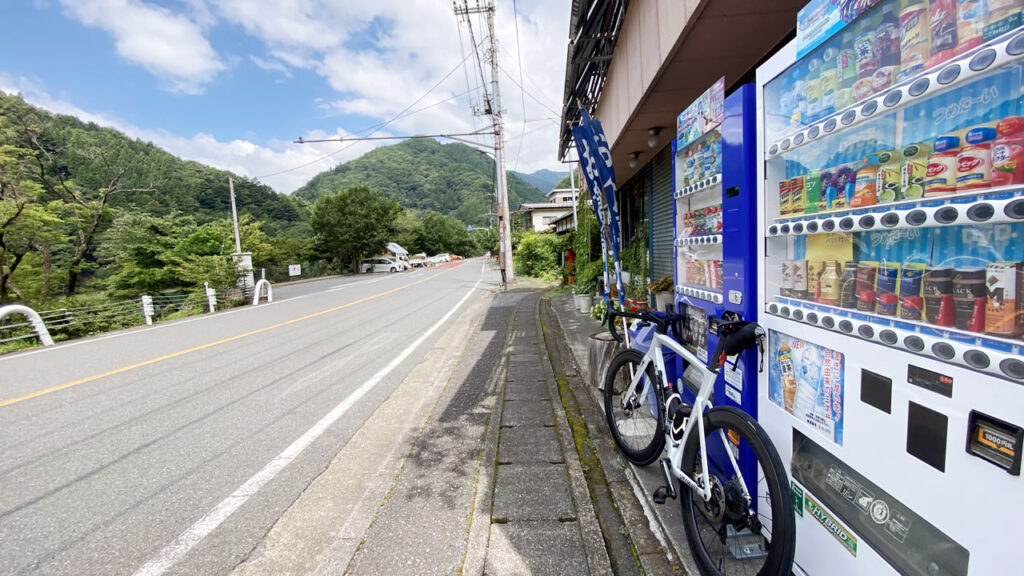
869	108
830	125
893	98
982	60
994	440
919	87
949	74
1016	46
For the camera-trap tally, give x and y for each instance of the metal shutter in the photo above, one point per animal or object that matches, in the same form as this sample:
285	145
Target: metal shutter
661	220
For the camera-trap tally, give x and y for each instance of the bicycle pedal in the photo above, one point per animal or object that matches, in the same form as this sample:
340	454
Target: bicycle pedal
660	495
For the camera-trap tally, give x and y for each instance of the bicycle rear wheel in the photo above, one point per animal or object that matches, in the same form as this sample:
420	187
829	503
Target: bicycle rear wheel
727	535
637	426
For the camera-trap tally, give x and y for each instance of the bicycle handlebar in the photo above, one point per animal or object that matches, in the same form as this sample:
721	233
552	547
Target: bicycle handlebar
733	337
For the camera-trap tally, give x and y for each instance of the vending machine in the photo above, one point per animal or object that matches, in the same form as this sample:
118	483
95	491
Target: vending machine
891	238
715	214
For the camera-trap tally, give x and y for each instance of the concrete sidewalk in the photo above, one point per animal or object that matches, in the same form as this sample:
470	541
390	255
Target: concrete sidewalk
665	519
490	458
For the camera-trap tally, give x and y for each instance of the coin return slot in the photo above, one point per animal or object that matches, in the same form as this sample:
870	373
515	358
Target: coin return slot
981	212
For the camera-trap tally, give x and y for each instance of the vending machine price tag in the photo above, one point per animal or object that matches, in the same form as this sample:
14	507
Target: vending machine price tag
996	441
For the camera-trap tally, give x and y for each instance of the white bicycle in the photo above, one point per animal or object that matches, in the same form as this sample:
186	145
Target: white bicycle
734	489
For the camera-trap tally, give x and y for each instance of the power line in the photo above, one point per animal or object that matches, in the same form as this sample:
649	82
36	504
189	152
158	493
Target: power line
522	95
528	78
376	127
527	92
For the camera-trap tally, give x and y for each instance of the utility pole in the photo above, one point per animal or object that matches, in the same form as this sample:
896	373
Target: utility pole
243	260
234	216
494	109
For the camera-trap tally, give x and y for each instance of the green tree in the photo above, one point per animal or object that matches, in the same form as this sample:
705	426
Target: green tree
140	248
440	233
539	255
25	224
355	223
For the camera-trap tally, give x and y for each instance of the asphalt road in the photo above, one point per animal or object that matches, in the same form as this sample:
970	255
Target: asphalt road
175	448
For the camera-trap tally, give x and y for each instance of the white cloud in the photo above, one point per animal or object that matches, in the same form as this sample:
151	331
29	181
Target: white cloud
298	162
380	56
271	65
168	45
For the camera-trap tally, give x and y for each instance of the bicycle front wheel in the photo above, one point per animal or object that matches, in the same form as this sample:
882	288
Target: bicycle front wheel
729	534
634	416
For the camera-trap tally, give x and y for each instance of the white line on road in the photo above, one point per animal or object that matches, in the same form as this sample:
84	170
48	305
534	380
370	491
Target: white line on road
195	534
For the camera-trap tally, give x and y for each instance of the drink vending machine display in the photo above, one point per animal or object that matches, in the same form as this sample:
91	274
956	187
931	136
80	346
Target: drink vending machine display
715	203
891	219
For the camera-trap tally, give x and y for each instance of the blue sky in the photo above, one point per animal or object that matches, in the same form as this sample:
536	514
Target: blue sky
232	83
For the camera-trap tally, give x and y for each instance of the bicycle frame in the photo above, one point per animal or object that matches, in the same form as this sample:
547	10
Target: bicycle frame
702	402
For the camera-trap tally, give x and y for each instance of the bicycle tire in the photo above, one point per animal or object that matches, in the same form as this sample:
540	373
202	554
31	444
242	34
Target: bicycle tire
780	543
643	438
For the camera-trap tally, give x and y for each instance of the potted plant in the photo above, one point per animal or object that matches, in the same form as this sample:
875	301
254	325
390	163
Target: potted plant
662	292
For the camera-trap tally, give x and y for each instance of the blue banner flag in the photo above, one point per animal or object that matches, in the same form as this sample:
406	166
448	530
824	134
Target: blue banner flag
596	160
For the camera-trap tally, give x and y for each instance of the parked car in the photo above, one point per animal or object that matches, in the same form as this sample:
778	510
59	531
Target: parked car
444	257
381	264
418	260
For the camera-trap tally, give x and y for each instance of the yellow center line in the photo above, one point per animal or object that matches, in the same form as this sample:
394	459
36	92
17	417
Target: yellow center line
122	369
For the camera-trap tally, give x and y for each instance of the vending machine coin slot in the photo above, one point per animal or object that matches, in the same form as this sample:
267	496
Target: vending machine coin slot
876	390
926	435
994	440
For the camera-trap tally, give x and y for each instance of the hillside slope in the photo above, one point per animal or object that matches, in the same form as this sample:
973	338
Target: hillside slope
423	174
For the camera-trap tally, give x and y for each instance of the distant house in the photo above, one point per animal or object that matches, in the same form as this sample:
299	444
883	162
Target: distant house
396	251
540	216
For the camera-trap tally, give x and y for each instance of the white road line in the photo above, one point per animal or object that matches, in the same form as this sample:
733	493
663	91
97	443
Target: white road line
161	326
195	534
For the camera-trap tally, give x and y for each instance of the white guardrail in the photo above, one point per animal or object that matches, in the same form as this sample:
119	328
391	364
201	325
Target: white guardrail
34	320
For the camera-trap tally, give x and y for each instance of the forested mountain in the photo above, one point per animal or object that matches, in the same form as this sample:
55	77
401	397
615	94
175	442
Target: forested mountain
153	180
423	174
544	180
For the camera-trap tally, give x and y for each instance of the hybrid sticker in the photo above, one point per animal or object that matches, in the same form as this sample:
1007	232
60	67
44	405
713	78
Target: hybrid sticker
796	494
838	531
